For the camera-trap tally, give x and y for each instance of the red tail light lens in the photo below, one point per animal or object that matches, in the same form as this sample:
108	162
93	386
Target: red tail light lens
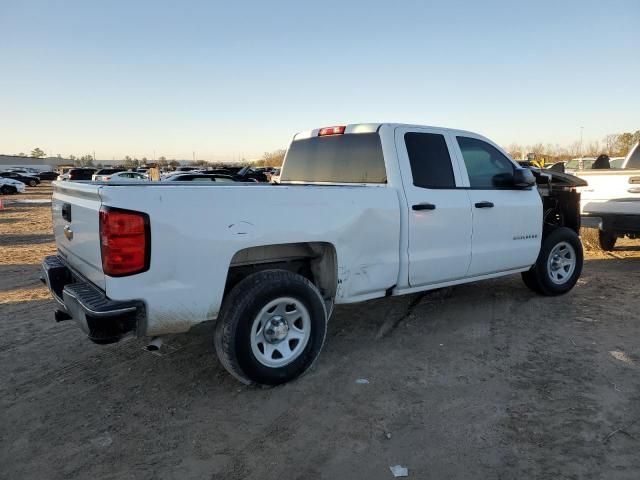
125	242
331	131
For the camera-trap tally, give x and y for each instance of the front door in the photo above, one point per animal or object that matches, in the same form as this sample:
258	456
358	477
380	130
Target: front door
439	214
507	221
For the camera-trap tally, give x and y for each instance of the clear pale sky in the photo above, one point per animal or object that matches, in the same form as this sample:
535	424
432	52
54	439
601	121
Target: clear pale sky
235	78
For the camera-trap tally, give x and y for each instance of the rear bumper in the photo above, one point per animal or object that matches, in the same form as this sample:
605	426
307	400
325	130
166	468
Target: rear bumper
102	319
619	223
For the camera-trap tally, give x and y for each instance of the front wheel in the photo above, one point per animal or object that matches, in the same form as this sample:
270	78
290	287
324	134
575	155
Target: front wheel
559	263
32	183
271	327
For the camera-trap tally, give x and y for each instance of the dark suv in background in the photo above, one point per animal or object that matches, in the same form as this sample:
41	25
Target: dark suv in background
81	173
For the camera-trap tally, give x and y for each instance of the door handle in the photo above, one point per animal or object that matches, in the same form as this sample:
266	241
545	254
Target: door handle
424	206
484	205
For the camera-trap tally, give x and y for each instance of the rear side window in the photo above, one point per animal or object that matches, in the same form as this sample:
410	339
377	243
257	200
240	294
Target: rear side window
487	167
350	158
430	160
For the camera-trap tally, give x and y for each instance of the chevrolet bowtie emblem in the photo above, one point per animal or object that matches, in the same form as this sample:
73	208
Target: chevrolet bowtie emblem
68	232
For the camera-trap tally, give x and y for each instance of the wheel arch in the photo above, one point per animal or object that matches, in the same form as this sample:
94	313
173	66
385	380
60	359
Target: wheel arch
561	208
317	261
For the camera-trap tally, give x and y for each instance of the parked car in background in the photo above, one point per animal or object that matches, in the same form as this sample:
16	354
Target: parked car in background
200	177
275	176
576	164
30	180
245	174
104	172
30	172
435	207
123	177
50	175
617	162
81	174
9	186
63	174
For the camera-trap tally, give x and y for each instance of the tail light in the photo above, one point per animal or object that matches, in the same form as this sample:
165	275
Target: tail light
331	131
125	242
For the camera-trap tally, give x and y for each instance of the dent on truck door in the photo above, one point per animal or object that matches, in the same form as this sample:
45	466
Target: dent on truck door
439	214
507	222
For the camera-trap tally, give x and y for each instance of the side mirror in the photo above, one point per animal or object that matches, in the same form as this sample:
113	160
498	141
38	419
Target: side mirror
523	178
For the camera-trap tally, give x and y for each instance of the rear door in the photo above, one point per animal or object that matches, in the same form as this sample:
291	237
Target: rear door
439	213
507	221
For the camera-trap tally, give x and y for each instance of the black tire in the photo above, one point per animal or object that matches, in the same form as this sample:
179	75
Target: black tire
8	190
598	240
607	240
539	279
531	282
241	307
33	183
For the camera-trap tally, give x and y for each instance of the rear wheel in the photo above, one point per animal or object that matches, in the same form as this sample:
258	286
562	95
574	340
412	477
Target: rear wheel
271	328
607	240
559	263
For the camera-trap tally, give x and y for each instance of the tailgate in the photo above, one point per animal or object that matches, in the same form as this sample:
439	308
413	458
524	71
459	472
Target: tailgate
75	208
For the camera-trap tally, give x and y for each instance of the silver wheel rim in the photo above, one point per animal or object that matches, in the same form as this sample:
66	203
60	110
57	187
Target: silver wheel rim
561	263
280	332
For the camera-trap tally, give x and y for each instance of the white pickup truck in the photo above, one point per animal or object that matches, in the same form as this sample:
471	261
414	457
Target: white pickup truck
610	204
363	211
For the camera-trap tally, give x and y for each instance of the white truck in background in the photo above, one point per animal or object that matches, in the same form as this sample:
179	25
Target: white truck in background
610	204
364	211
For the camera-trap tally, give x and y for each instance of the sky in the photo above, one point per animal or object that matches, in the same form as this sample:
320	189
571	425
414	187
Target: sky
233	79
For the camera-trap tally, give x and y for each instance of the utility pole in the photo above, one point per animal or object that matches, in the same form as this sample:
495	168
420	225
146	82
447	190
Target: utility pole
581	132
581	161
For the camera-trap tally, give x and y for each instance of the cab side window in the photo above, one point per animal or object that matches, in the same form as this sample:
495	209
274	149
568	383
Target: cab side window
487	167
430	160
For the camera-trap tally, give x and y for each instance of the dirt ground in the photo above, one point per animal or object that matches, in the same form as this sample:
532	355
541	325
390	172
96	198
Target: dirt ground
483	381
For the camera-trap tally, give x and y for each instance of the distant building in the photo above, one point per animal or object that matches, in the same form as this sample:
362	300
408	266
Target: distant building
48	163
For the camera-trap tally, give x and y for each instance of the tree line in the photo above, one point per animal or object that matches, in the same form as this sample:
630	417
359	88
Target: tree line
614	145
